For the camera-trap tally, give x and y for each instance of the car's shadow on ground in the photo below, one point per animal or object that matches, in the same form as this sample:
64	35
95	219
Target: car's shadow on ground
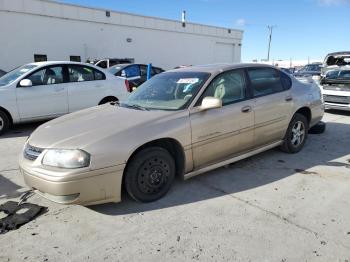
338	112
21	130
259	170
8	189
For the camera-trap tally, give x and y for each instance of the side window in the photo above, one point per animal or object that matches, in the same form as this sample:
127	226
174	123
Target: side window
47	76
99	75
143	71
113	62
75	58
40	58
156	70
132	71
229	87
79	73
286	81
102	64
265	81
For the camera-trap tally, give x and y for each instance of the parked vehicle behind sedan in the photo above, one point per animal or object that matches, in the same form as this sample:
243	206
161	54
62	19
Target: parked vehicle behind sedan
109	62
313	69
2	73
335	81
46	90
136	74
182	123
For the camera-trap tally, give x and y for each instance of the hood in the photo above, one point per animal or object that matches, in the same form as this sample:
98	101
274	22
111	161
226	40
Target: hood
80	129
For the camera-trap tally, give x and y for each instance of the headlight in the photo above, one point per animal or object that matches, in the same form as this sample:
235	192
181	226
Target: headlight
66	158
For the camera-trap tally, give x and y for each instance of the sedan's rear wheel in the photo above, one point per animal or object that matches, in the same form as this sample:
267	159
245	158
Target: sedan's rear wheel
4	123
149	174
296	134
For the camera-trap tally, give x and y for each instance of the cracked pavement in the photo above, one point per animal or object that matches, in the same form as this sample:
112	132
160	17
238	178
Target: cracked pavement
270	207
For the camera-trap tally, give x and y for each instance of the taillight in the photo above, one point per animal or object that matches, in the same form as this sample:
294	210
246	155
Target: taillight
127	86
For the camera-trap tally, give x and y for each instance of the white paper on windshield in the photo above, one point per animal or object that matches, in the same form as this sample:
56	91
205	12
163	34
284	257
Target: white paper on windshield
187	81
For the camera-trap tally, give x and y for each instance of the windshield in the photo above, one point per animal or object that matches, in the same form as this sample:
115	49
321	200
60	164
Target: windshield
313	68
167	91
338	74
13	75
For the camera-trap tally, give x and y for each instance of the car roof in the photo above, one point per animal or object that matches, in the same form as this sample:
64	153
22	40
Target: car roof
129	64
47	63
58	62
339	53
215	68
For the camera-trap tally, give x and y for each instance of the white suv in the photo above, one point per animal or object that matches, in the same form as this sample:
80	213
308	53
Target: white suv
45	90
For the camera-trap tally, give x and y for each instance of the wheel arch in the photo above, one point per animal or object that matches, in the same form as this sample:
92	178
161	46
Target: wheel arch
108	99
7	114
305	111
172	146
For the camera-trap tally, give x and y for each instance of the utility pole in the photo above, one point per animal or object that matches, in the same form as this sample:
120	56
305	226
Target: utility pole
270	27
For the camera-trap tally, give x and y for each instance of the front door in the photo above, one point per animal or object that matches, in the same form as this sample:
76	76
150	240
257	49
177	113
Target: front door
221	133
47	97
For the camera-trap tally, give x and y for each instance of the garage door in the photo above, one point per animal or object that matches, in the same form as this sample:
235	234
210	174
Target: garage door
224	53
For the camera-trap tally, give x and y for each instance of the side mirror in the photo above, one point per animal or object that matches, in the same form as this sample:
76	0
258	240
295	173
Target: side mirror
210	103
26	83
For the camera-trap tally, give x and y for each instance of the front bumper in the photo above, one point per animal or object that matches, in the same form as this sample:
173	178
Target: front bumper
329	105
339	100
88	187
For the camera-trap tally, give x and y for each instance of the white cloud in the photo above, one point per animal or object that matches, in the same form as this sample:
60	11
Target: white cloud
333	2
241	22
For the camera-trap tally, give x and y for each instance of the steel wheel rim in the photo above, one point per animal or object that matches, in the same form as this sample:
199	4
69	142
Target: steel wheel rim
153	175
1	123
298	134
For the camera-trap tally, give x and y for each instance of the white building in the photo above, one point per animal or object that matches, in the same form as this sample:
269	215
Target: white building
57	31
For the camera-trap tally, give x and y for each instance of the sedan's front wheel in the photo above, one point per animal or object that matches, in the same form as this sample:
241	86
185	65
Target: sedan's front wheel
296	134
149	174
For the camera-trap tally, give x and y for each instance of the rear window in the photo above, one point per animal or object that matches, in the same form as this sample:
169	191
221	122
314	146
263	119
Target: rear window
338	74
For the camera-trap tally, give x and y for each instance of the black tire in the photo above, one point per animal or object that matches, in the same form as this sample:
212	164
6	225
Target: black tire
291	142
150	174
4	122
319	128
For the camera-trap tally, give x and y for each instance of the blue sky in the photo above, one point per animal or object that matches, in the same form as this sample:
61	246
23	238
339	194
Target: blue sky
304	28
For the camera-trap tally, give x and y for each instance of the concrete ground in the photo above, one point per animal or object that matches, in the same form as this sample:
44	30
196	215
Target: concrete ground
270	207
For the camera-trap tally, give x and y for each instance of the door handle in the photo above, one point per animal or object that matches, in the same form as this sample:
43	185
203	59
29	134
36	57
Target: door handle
289	98
246	109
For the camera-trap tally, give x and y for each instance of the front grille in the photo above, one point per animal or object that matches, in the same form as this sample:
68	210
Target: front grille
31	152
337	87
344	100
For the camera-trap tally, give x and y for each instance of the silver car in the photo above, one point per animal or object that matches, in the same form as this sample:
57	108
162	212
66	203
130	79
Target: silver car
180	123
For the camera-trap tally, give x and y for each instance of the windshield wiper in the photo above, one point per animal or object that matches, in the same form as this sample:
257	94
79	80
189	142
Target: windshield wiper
135	106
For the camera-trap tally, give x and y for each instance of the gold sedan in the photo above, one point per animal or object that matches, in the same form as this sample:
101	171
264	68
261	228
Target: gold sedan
180	123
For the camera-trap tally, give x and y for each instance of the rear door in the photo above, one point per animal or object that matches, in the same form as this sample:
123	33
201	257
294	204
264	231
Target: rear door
273	104
86	87
47	97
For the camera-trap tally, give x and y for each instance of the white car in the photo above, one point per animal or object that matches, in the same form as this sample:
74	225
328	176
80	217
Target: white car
45	90
335	81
